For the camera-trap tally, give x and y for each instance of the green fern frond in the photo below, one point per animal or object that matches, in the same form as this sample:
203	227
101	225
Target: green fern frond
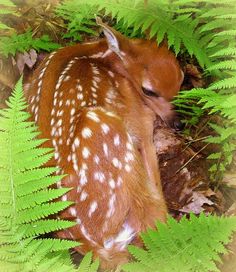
226	83
80	18
220	10
24	42
231	32
224	52
87	265
3	26
43	227
7	7
216	24
227	16
180	247
22	213
7	3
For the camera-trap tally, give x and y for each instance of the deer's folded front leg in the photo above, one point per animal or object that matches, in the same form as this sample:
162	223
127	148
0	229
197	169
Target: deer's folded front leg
151	164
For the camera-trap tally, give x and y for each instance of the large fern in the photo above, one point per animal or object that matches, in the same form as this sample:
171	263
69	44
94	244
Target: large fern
25	202
188	246
219	98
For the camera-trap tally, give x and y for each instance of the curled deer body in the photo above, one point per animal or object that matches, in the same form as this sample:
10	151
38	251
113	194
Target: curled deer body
97	102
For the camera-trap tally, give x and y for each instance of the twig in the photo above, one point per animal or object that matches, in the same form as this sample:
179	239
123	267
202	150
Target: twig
191	158
197	140
194	141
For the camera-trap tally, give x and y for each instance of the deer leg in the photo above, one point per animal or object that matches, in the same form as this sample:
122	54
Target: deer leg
150	161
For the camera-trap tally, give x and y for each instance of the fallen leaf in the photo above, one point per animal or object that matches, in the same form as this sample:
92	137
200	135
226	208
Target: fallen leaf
196	205
26	58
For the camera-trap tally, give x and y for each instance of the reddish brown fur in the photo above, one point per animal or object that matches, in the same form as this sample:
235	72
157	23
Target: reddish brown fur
112	207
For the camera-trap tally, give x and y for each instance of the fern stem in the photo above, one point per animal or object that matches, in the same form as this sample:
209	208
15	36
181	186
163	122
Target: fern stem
11	163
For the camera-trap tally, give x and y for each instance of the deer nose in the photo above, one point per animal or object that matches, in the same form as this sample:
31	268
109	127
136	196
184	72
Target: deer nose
177	124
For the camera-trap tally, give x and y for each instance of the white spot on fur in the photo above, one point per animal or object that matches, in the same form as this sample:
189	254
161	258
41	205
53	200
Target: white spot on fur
92	208
105	128
111	206
111	73
119	181
72	112
127	168
80	96
115	162
83	196
85	153
67	78
77	142
83	177
73	211
125	236
108	244
117	140
99	176
93	116
59	122
96	159
78	221
64	198
129	157
86	132
129	146
112	183
105	149
95	84
56	155
93	89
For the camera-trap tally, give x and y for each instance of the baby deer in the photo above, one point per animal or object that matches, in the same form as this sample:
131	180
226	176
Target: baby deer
97	102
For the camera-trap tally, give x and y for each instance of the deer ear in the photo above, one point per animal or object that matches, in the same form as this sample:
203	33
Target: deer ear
113	38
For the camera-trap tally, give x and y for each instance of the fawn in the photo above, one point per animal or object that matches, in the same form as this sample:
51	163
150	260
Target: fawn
97	102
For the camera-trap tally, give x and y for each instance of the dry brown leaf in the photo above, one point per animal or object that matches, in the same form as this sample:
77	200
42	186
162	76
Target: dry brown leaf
196	204
26	58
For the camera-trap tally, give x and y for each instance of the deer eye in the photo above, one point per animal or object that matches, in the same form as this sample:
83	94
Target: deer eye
149	92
